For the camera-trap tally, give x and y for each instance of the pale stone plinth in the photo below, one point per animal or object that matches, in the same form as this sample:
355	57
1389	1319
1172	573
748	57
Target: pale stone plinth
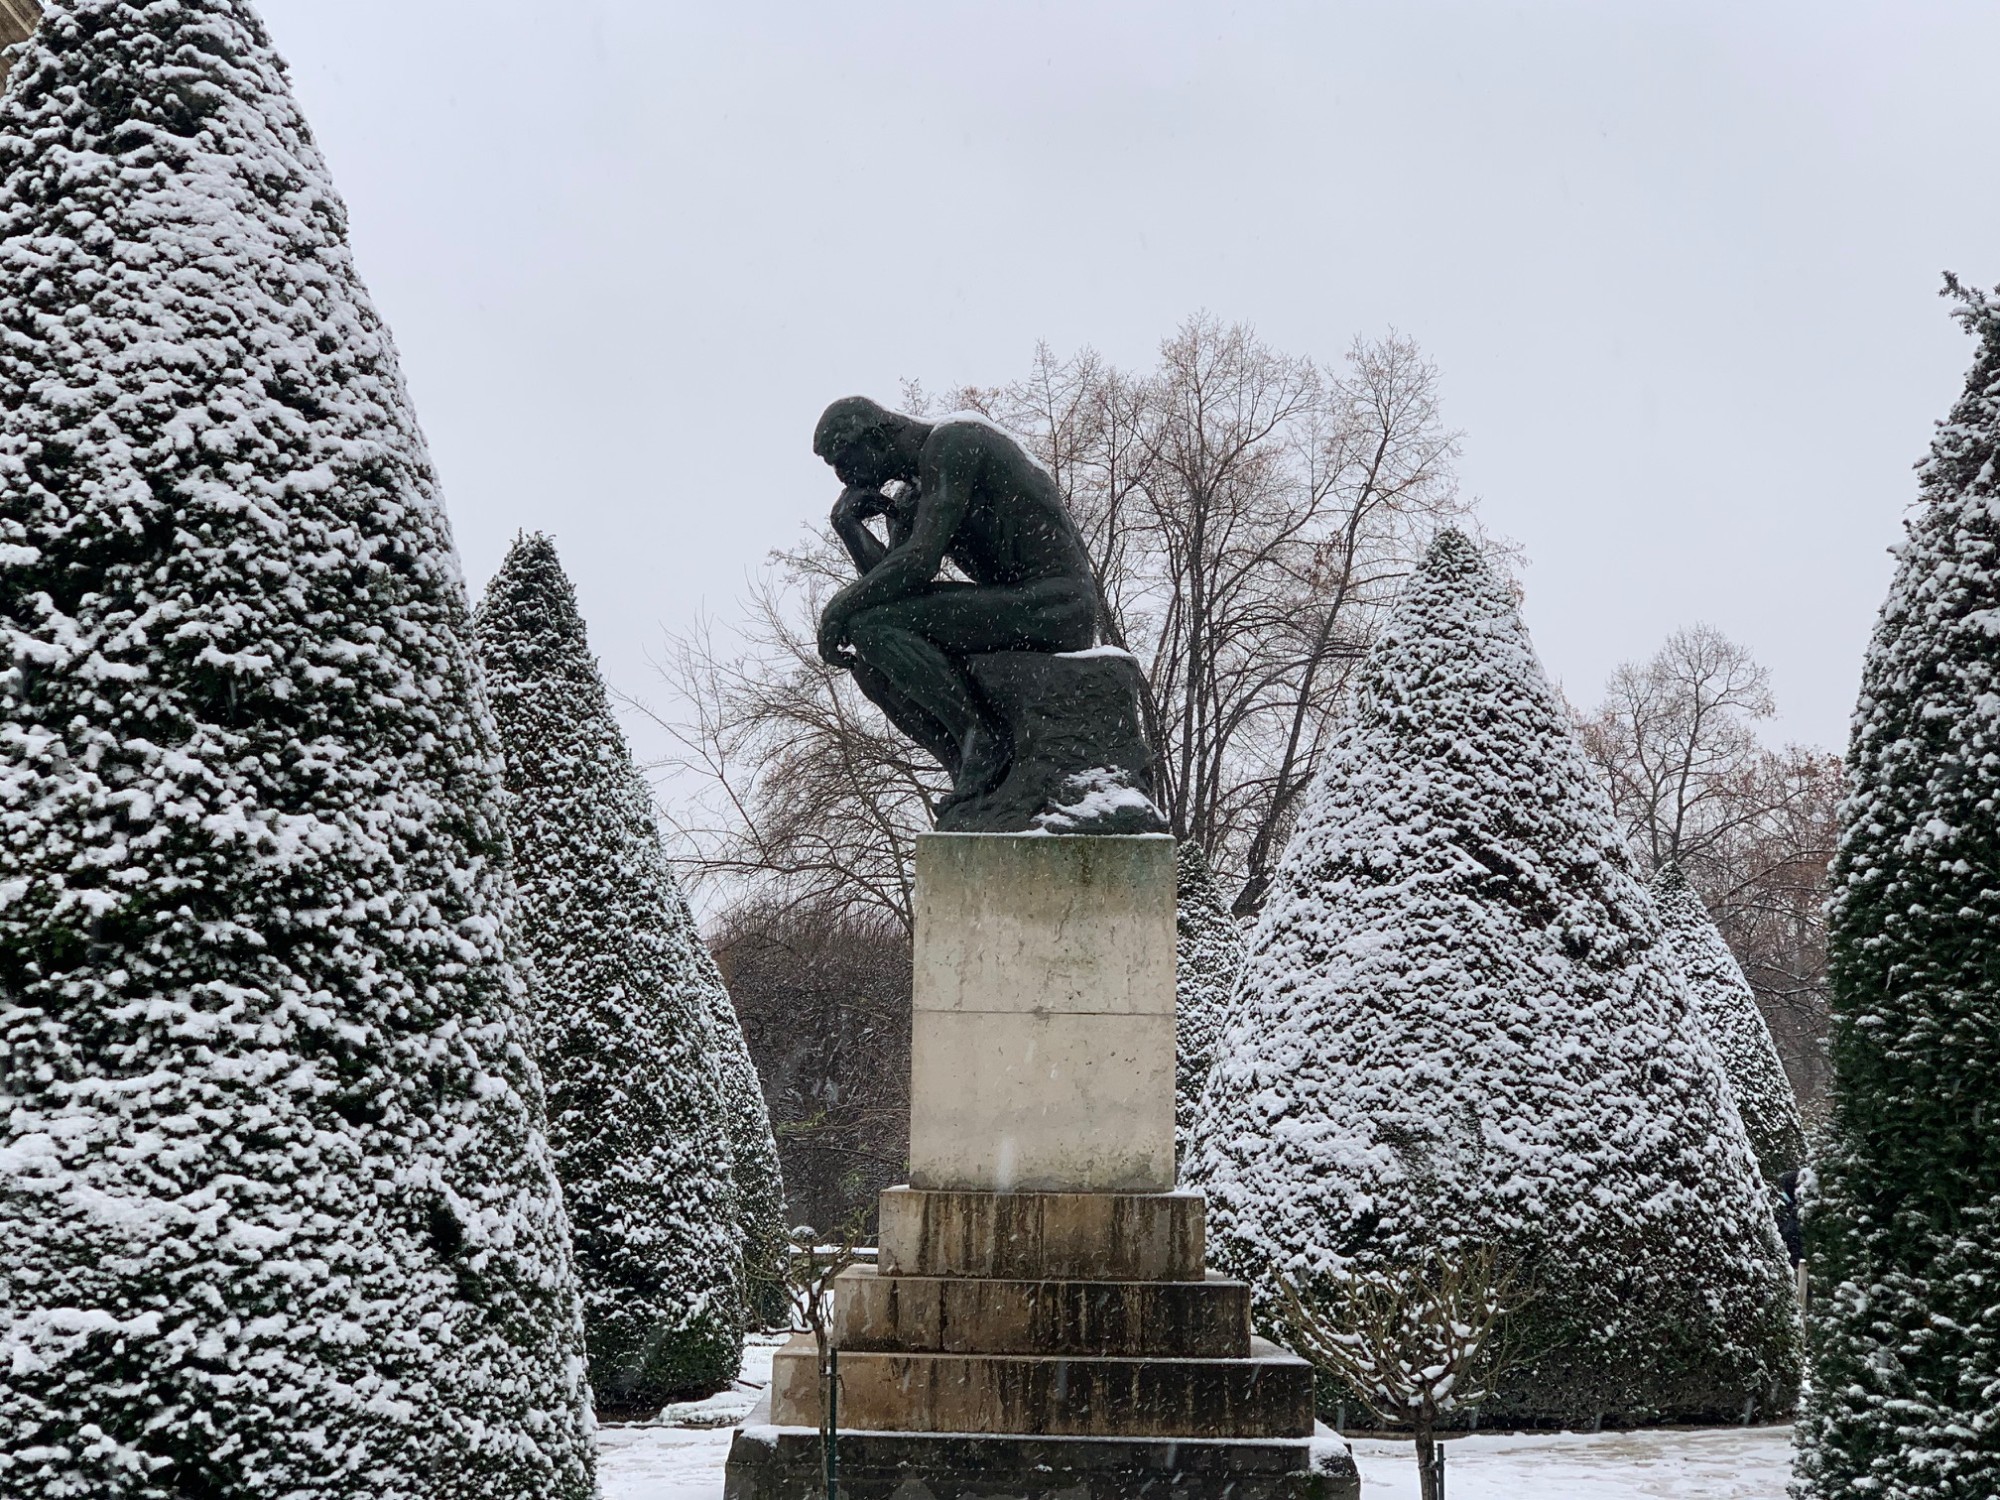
18	20
1042	1041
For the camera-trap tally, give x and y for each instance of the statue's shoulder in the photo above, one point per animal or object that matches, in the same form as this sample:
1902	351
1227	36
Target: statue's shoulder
967	429
964	435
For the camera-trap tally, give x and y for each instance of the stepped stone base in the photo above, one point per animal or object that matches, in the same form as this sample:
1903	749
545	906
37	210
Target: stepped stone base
1043	1346
1208	1319
1039	1324
1267	1394
785	1463
1044	1236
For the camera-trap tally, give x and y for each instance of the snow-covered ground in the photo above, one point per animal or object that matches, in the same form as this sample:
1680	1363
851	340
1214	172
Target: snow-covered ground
1728	1463
660	1462
1716	1463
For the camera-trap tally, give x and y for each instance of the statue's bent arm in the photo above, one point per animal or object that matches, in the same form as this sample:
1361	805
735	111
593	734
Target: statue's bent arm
943	493
850	516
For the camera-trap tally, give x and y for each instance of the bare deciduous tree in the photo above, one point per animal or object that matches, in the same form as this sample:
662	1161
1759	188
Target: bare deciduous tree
1248	512
813	1268
1766	889
790	786
1675	740
1752	828
1248	515
824	998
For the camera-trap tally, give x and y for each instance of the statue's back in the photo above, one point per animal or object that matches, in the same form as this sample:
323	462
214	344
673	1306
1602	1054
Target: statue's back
1016	528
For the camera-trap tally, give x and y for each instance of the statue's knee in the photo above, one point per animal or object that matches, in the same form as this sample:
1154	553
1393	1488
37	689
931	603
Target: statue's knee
869	631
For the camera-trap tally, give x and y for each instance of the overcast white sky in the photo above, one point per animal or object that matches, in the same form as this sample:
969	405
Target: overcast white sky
1677	261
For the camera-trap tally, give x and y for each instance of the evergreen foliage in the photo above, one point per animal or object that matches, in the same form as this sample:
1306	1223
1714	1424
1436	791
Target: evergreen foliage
1903	1227
1208	955
754	1171
1735	1026
1457	1031
637	1112
277	1216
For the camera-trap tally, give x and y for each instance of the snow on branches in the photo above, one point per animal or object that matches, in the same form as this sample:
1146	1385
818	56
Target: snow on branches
277	1215
762	1235
1735	1026
1457	1025
1903	1228
1208	956
633	1046
1417	1343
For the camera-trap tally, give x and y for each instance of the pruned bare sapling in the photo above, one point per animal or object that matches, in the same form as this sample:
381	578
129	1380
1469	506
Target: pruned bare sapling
811	1269
1414	1344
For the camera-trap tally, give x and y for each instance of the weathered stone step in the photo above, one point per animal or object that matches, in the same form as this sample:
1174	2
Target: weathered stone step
784	1463
957	1315
1044	1236
1267	1395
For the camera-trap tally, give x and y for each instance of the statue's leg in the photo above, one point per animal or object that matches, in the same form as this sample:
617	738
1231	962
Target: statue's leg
917	646
906	714
921	689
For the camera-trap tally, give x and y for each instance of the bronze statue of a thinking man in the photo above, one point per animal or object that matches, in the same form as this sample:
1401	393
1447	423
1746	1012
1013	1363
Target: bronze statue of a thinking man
914	641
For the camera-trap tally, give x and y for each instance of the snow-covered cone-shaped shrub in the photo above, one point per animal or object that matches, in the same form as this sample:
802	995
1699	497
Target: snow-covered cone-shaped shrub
1903	1226
1208	955
1723	999
760	1185
636	1115
277	1216
1457	1031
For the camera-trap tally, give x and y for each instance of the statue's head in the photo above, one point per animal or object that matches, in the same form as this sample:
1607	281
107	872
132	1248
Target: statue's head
864	442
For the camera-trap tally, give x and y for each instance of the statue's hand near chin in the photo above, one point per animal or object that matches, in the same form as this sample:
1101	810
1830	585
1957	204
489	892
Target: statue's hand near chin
857	504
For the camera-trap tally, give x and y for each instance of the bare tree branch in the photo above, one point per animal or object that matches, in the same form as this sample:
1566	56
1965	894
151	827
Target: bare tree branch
1753	829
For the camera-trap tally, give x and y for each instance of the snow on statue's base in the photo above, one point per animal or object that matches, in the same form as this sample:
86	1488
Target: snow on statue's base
1040	1322
1079	760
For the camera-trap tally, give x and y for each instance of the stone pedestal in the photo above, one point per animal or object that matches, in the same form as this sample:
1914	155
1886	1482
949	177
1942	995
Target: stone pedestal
18	20
1042	1025
1039	1324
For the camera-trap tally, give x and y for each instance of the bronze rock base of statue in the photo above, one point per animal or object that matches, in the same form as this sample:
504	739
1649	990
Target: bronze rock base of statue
1077	758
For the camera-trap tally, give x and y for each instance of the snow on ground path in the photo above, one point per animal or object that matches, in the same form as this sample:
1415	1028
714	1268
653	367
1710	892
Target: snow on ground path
1715	1463
679	1455
662	1463
1718	1463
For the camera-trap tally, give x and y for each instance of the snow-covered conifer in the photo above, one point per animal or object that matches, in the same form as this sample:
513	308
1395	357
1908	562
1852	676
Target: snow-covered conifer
1457	1029
754	1169
638	1113
1723	999
277	1215
1903	1226
1208	955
